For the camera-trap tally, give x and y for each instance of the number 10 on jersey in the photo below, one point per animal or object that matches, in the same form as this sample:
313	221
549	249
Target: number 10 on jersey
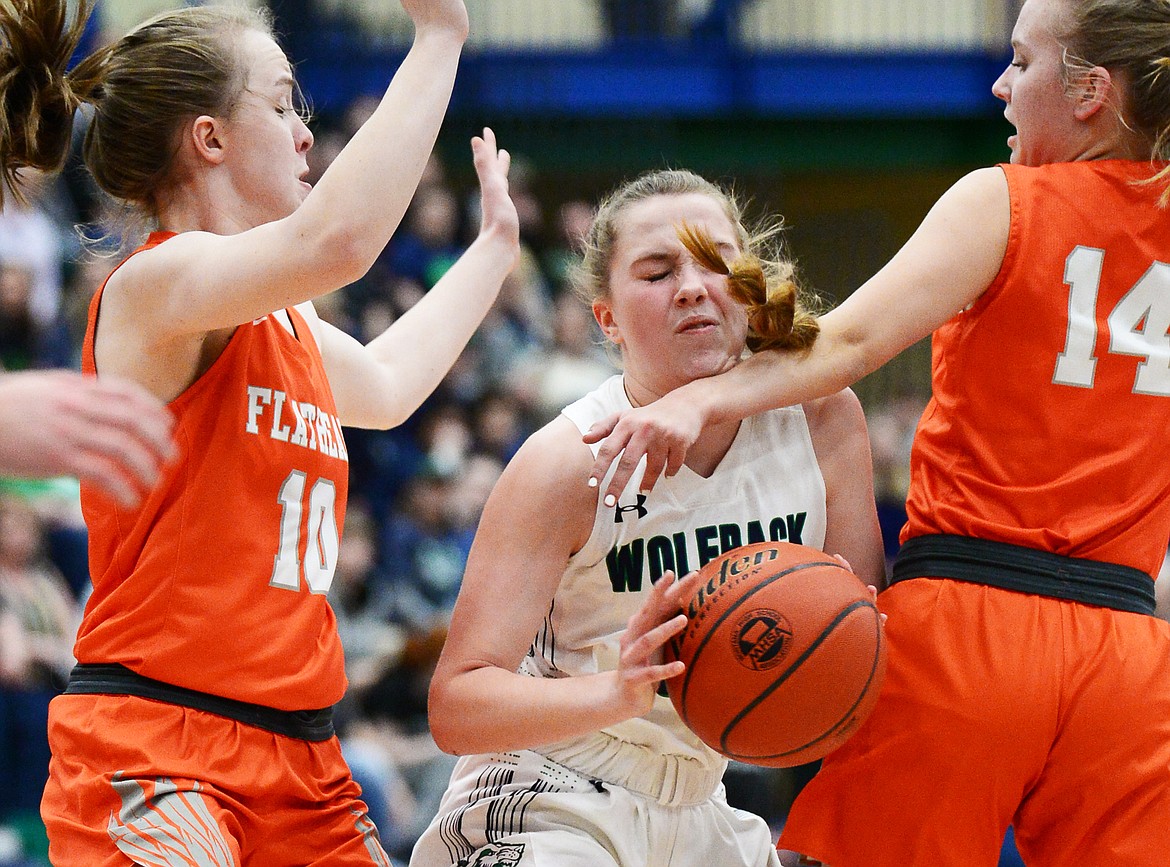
319	525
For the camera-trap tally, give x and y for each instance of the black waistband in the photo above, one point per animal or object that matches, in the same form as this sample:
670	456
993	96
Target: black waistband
114	679
1026	570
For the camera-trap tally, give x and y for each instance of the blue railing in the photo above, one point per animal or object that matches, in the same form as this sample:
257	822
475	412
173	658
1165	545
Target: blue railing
678	58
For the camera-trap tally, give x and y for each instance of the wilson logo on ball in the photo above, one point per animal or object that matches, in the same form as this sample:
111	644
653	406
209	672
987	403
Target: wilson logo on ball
784	655
761	639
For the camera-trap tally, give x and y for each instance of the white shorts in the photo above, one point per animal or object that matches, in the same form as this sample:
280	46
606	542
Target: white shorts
523	809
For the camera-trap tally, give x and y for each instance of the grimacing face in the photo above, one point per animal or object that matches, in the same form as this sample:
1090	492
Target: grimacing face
673	319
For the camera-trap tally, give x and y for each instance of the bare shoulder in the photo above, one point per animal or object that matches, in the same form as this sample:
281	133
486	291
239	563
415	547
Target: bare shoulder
839	411
546	485
836	424
555	455
978	189
168	258
143	285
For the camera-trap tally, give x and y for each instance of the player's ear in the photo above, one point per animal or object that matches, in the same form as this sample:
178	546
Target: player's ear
603	313
1092	90
207	138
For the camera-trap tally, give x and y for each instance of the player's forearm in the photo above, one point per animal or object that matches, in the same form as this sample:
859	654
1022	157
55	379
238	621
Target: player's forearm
772	379
361	198
492	710
420	348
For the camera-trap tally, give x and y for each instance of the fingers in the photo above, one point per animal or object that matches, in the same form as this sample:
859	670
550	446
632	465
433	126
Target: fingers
663	607
488	156
840	559
625	439
873	592
498	213
657	621
127	407
611	446
107	476
643	654
627	465
655	464
614	447
652	610
686	589
618	445
115	435
601	429
110	432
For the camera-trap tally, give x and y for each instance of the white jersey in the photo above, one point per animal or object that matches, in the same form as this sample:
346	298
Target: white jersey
768	487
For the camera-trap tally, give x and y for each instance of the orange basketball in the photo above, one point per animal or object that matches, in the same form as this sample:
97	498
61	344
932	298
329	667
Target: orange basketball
784	655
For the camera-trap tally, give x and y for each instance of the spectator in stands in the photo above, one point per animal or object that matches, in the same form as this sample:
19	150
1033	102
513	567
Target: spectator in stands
26	340
38	619
30	234
429	241
423	554
573	219
570	368
499	424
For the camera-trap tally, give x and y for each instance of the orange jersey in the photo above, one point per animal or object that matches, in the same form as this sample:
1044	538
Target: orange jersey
1051	394
217	581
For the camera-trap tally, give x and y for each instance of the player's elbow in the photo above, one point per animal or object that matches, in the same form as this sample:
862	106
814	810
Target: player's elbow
446	723
854	354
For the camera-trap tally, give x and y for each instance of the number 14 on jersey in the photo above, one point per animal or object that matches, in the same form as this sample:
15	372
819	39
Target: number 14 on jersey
1139	325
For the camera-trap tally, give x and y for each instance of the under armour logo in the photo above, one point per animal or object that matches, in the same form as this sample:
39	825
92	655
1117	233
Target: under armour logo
639	507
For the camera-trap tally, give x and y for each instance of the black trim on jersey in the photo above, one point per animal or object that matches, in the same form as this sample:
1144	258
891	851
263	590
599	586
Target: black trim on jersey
488	785
505	814
547	638
114	679
1025	570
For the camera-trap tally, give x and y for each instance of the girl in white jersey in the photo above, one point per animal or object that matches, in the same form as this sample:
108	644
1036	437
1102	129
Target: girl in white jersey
548	684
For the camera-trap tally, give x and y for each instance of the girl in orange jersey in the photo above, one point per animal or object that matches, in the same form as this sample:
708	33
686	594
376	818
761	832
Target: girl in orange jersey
1027	679
196	728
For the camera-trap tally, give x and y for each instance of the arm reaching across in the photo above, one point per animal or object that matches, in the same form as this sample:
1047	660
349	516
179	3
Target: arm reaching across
945	266
109	432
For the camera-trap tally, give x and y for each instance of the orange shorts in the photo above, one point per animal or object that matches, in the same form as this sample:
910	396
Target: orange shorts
1001	708
135	781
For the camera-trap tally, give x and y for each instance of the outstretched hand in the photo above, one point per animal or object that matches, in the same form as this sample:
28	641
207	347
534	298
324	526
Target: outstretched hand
498	217
659	619
108	432
662	431
450	15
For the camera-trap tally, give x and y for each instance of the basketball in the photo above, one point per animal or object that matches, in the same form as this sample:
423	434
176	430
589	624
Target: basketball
784	655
